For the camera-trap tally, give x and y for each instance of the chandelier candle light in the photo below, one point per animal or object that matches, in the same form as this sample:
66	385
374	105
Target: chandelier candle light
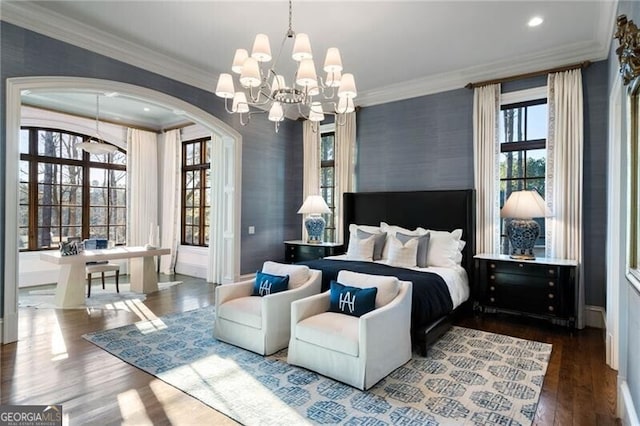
521	207
98	147
314	206
263	88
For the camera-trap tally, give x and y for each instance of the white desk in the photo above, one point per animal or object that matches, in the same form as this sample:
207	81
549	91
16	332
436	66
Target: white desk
71	281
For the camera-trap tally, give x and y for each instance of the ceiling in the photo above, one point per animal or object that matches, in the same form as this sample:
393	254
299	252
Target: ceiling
396	49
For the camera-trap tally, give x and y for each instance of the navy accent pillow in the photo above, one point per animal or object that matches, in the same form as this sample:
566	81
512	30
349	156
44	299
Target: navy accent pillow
352	301
266	284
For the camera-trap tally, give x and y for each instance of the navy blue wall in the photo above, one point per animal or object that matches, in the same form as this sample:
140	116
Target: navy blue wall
271	163
427	143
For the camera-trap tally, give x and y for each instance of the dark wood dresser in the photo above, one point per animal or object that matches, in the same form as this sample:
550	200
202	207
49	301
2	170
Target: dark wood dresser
542	288
300	251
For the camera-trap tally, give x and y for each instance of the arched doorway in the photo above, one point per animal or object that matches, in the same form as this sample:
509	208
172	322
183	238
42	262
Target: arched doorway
228	261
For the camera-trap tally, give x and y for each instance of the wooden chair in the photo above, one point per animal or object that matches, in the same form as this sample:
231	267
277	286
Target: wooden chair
102	268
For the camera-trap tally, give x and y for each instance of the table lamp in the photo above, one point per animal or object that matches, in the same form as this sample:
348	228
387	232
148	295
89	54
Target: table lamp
521	207
314	206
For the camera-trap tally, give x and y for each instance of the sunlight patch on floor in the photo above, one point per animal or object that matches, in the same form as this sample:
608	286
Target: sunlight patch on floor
132	409
58	345
151	322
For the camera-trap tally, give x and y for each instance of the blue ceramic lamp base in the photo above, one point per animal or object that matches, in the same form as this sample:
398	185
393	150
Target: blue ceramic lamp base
522	234
315	227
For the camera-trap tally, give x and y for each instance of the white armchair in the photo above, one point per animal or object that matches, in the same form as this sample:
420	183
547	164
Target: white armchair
262	324
359	351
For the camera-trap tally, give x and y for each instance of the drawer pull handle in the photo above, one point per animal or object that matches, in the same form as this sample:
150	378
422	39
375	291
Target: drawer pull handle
551	308
551	296
491	299
492	277
492	288
521	265
492	265
551	283
551	272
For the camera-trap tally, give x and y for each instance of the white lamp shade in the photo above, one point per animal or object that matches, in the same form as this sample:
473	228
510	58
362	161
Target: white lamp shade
314	204
345	105
250	75
261	51
96	147
301	48
333	79
240	104
225	88
306	75
524	205
332	62
240	56
347	86
316	113
276	113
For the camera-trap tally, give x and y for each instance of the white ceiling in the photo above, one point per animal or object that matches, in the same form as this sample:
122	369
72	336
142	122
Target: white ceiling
396	49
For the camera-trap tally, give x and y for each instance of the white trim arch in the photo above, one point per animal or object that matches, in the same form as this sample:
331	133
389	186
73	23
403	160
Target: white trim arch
14	88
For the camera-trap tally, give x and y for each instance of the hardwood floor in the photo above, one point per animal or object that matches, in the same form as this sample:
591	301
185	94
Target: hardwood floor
52	364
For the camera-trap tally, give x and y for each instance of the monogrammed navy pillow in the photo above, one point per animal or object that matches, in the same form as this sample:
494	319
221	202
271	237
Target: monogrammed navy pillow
349	300
266	284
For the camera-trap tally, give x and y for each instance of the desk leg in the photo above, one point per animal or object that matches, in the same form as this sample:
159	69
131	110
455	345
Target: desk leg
71	286
143	275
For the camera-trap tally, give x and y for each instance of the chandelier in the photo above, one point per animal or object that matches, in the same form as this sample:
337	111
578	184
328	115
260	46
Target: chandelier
263	88
98	147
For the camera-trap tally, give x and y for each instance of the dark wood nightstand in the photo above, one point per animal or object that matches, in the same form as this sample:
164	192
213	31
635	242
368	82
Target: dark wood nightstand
542	288
299	251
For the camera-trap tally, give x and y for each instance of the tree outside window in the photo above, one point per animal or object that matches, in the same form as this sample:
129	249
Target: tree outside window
523	155
68	193
327	181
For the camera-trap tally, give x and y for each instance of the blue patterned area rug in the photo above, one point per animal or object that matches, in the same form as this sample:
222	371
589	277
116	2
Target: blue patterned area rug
468	377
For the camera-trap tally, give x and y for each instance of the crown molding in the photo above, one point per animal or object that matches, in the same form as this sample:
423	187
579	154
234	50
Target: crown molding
55	25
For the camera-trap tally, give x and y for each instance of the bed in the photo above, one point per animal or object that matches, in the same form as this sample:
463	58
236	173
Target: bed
438	295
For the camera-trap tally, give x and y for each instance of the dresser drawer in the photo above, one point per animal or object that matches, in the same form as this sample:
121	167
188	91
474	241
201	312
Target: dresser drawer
510	279
512	297
523	268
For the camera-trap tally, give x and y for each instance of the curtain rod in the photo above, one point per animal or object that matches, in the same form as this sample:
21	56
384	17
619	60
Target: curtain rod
583	64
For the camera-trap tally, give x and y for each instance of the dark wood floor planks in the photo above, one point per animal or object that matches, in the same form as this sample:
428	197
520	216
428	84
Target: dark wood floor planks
51	363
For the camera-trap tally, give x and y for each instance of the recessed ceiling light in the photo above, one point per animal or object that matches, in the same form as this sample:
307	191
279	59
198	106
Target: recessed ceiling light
146	109
535	21
111	94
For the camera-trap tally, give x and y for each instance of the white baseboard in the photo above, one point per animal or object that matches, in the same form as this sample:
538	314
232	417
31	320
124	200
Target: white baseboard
595	316
626	410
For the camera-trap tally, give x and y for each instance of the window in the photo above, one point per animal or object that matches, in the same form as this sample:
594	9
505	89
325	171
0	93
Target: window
68	193
196	192
523	153
328	181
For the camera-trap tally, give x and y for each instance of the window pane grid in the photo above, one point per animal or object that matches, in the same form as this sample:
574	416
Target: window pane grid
196	199
327	182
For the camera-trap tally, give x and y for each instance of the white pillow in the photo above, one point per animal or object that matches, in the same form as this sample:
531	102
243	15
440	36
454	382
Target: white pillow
388	287
298	274
445	248
361	249
403	254
392	229
366	228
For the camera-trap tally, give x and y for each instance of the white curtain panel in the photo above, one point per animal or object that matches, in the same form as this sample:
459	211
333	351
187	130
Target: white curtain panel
564	173
142	189
170	193
486	154
215	268
311	164
345	157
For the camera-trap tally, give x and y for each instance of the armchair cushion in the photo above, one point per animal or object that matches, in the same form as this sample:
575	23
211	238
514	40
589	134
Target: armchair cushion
266	284
332	331
243	310
388	287
352	301
298	274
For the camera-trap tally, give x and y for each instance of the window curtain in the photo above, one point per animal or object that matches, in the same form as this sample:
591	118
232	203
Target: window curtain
215	268
311	164
142	194
345	158
563	192
170	194
486	154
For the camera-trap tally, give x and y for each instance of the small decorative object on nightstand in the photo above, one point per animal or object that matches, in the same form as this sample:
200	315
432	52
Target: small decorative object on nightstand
314	206
541	288
300	251
521	207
